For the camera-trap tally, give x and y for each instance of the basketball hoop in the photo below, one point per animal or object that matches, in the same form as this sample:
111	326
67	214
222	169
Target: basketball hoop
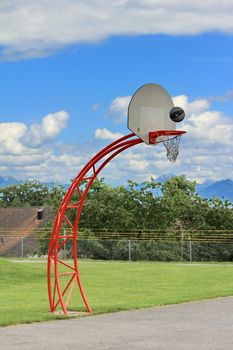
151	108
170	139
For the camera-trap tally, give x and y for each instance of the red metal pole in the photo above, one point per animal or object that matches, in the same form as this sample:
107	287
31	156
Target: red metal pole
60	293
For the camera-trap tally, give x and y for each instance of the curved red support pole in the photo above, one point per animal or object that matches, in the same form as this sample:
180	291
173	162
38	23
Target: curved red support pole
60	291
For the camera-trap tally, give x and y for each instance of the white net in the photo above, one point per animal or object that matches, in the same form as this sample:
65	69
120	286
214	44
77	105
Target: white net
172	147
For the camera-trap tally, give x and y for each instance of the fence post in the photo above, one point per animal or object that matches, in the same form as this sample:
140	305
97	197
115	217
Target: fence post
22	246
190	250
129	250
182	246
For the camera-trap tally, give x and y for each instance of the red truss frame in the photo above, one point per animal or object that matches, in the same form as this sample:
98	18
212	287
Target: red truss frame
62	277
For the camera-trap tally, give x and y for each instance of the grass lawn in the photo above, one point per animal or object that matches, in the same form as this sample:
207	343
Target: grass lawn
110	286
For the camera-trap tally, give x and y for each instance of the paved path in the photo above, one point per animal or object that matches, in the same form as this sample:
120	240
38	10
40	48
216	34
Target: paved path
206	325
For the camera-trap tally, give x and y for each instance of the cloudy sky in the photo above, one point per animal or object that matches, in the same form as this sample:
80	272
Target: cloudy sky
68	69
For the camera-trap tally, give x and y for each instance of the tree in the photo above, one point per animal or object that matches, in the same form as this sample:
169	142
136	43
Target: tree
173	207
30	193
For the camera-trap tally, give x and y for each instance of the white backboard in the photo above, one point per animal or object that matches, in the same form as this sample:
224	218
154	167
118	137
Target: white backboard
149	111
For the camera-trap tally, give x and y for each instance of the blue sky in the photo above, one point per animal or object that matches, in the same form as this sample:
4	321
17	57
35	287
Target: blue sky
69	70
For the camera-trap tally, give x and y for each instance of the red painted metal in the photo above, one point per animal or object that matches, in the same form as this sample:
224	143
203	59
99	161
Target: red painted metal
60	291
153	135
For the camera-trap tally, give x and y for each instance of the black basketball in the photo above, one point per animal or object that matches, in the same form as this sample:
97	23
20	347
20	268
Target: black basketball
177	114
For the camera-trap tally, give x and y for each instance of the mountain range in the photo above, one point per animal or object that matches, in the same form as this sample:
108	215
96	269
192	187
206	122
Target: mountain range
8	180
222	189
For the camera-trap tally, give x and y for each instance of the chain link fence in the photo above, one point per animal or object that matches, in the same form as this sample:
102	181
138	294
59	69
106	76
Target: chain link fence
188	246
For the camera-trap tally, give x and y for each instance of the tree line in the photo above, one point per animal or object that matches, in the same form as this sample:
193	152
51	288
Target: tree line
173	206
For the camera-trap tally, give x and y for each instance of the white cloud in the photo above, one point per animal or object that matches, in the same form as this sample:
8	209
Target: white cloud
38	27
105	134
228	96
118	109
20	139
49	129
204	126
206	152
25	147
10	135
67	160
134	160
23	160
194	107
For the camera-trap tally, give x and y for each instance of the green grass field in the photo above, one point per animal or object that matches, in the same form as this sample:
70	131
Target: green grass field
110	286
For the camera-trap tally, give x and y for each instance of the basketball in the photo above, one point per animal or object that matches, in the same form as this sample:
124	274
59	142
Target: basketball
177	114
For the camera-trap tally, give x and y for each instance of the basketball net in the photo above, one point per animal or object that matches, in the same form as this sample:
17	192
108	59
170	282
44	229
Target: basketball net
172	147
